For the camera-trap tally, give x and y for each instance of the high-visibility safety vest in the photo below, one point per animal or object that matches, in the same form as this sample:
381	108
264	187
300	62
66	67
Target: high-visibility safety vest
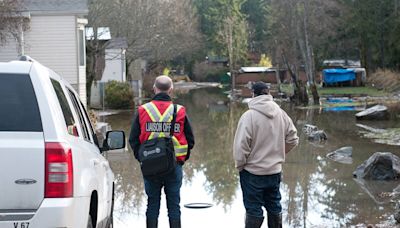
155	121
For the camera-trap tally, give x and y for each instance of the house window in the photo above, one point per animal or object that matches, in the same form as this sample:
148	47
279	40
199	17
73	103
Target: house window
81	48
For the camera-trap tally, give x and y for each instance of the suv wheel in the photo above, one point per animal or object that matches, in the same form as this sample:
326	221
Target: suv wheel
89	223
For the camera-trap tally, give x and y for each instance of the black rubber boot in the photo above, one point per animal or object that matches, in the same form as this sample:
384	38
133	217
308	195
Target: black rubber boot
253	222
174	223
275	221
151	223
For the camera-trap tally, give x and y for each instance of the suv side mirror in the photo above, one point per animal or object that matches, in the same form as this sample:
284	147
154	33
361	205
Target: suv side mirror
114	140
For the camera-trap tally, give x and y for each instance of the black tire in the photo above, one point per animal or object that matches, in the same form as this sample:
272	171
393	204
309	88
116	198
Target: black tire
89	223
110	222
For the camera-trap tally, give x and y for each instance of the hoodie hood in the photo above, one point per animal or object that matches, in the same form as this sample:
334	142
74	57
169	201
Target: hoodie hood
264	104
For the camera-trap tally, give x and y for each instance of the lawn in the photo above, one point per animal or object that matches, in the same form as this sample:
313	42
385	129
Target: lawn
354	91
360	91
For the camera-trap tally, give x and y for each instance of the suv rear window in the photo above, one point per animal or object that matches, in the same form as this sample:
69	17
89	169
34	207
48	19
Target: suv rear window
19	110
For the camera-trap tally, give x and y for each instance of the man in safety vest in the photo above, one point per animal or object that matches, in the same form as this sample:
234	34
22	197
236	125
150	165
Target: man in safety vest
145	126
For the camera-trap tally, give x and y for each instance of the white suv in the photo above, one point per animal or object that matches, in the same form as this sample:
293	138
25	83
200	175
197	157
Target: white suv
52	171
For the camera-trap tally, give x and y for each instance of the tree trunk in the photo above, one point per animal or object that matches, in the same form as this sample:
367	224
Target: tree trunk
300	96
308	53
363	55
90	73
230	53
315	94
278	79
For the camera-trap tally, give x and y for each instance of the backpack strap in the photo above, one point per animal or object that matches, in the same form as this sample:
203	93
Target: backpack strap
172	129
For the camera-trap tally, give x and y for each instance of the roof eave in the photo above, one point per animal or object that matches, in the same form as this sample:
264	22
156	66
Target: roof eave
58	13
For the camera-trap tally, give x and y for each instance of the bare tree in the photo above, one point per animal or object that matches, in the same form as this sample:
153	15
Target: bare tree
12	24
233	36
306	48
298	27
95	48
156	30
283	41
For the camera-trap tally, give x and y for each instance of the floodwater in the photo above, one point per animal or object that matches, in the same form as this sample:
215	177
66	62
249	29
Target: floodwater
316	191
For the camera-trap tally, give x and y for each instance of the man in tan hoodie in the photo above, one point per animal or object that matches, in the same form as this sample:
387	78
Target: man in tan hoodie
265	133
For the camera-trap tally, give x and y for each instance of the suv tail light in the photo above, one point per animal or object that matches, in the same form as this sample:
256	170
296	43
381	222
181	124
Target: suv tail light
58	171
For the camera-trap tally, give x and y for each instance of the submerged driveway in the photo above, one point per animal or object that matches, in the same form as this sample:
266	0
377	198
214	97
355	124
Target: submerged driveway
316	191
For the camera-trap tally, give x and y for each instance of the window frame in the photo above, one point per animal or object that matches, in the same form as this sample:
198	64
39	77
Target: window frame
89	123
68	103
83	125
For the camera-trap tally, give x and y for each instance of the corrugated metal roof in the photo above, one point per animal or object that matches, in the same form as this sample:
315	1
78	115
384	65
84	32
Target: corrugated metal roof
255	69
341	62
71	6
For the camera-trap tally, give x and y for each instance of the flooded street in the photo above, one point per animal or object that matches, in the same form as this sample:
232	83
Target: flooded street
316	191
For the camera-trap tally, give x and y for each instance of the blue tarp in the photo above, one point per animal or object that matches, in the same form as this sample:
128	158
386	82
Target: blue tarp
338	75
340	108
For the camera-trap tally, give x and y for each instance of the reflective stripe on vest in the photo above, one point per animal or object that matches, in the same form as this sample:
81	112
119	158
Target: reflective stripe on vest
155	116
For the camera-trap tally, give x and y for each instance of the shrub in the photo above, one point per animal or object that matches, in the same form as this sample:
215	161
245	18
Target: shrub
118	95
208	72
385	79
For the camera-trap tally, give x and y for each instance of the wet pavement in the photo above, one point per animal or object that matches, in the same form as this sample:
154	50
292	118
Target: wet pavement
316	191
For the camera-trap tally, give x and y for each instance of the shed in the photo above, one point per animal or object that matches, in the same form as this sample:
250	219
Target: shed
253	74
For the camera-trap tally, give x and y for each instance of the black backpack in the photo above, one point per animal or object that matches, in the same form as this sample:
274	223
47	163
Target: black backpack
157	156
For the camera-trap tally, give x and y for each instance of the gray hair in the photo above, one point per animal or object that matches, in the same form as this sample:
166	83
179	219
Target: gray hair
163	83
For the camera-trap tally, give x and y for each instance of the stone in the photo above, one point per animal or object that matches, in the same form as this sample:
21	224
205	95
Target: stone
342	155
313	134
308	128
397	213
319	135
377	112
380	166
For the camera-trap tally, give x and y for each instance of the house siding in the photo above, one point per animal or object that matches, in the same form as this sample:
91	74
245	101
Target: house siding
114	66
52	42
9	51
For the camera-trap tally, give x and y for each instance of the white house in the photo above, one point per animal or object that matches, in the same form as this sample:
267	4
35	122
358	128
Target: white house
112	65
55	38
115	61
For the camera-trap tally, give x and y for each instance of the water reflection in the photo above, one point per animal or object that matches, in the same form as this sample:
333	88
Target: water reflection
316	191
214	122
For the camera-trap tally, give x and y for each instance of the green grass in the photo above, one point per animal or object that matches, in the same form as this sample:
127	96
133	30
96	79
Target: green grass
287	88
354	91
369	91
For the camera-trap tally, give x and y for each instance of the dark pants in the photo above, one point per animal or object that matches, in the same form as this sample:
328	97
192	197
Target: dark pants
259	191
172	185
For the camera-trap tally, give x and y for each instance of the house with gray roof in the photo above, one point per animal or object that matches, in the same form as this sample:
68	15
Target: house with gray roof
115	60
55	37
